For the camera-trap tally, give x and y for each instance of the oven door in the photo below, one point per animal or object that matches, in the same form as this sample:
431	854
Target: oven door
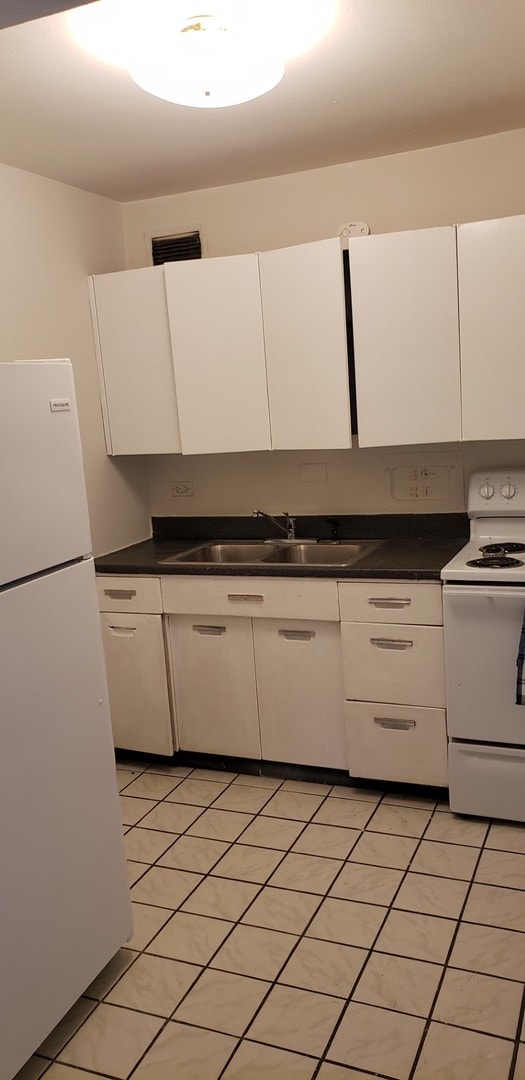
482	627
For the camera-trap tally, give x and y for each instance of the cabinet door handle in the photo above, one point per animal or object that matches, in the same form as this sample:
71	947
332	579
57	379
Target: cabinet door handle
391	643
123	631
212	631
390	601
297	635
394	725
257	597
120	594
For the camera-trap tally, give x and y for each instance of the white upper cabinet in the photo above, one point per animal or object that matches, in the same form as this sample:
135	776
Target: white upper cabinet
491	265
303	306
406	339
133	345
217	339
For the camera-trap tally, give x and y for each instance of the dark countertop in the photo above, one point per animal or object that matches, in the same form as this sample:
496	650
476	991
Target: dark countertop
414	547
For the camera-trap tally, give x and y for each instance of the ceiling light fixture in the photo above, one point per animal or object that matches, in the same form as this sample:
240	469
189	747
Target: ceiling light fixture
232	52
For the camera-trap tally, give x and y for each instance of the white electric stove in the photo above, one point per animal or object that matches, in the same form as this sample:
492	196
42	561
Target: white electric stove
483	616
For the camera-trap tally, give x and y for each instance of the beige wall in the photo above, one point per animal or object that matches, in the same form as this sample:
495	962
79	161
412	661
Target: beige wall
341	482
53	236
466	181
441	185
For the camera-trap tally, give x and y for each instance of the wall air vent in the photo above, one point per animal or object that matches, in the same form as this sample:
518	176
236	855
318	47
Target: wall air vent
173	248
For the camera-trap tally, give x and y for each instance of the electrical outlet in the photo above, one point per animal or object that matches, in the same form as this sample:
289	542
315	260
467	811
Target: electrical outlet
182	487
416	482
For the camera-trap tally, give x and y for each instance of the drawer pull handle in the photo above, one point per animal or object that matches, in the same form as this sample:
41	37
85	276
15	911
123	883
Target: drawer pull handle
390	601
120	594
257	597
394	725
123	631
212	631
391	643
297	635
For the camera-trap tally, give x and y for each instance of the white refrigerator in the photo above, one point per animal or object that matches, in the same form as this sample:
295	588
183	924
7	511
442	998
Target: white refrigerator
64	898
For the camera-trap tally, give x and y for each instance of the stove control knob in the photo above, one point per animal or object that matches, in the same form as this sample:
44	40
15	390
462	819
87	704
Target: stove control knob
508	491
486	491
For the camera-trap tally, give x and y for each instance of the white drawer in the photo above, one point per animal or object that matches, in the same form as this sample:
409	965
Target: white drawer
273	598
391	601
487	780
395	664
119	592
392	742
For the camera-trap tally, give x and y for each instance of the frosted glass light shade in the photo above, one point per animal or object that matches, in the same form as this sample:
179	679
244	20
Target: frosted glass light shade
233	53
207	65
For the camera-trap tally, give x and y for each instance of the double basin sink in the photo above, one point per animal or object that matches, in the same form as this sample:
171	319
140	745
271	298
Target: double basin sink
276	553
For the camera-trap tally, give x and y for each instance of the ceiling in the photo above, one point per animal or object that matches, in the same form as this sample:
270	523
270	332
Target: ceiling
393	75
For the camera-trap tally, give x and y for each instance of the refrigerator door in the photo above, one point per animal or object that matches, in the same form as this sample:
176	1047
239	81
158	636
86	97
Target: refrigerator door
64	898
44	519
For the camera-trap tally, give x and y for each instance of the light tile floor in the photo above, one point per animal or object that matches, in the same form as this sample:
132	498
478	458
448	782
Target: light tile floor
296	930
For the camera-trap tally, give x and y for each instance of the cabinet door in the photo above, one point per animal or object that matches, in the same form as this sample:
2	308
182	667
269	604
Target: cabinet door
300	692
406	339
137	682
306	353
214	677
491	268
218	351
135	362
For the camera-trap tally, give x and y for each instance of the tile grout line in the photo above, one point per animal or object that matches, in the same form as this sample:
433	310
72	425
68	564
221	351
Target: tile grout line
238	922
321	897
517	1041
274	981
371	949
391	908
235	924
450	950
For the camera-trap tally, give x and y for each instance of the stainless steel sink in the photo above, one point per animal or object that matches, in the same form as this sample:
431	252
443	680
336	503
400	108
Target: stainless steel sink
322	554
234	551
296	553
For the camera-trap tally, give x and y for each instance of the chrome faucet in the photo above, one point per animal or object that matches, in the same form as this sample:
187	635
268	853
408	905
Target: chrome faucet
289	528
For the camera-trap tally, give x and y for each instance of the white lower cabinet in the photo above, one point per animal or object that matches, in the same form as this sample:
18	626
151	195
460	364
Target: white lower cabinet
299	688
214	678
385	662
137	682
262	668
264	681
394	681
136	663
397	742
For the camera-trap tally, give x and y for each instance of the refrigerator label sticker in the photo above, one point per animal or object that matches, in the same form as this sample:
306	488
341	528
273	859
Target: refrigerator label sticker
60	405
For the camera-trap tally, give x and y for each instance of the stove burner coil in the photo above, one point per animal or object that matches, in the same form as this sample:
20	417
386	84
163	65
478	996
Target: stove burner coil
501	549
495	562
